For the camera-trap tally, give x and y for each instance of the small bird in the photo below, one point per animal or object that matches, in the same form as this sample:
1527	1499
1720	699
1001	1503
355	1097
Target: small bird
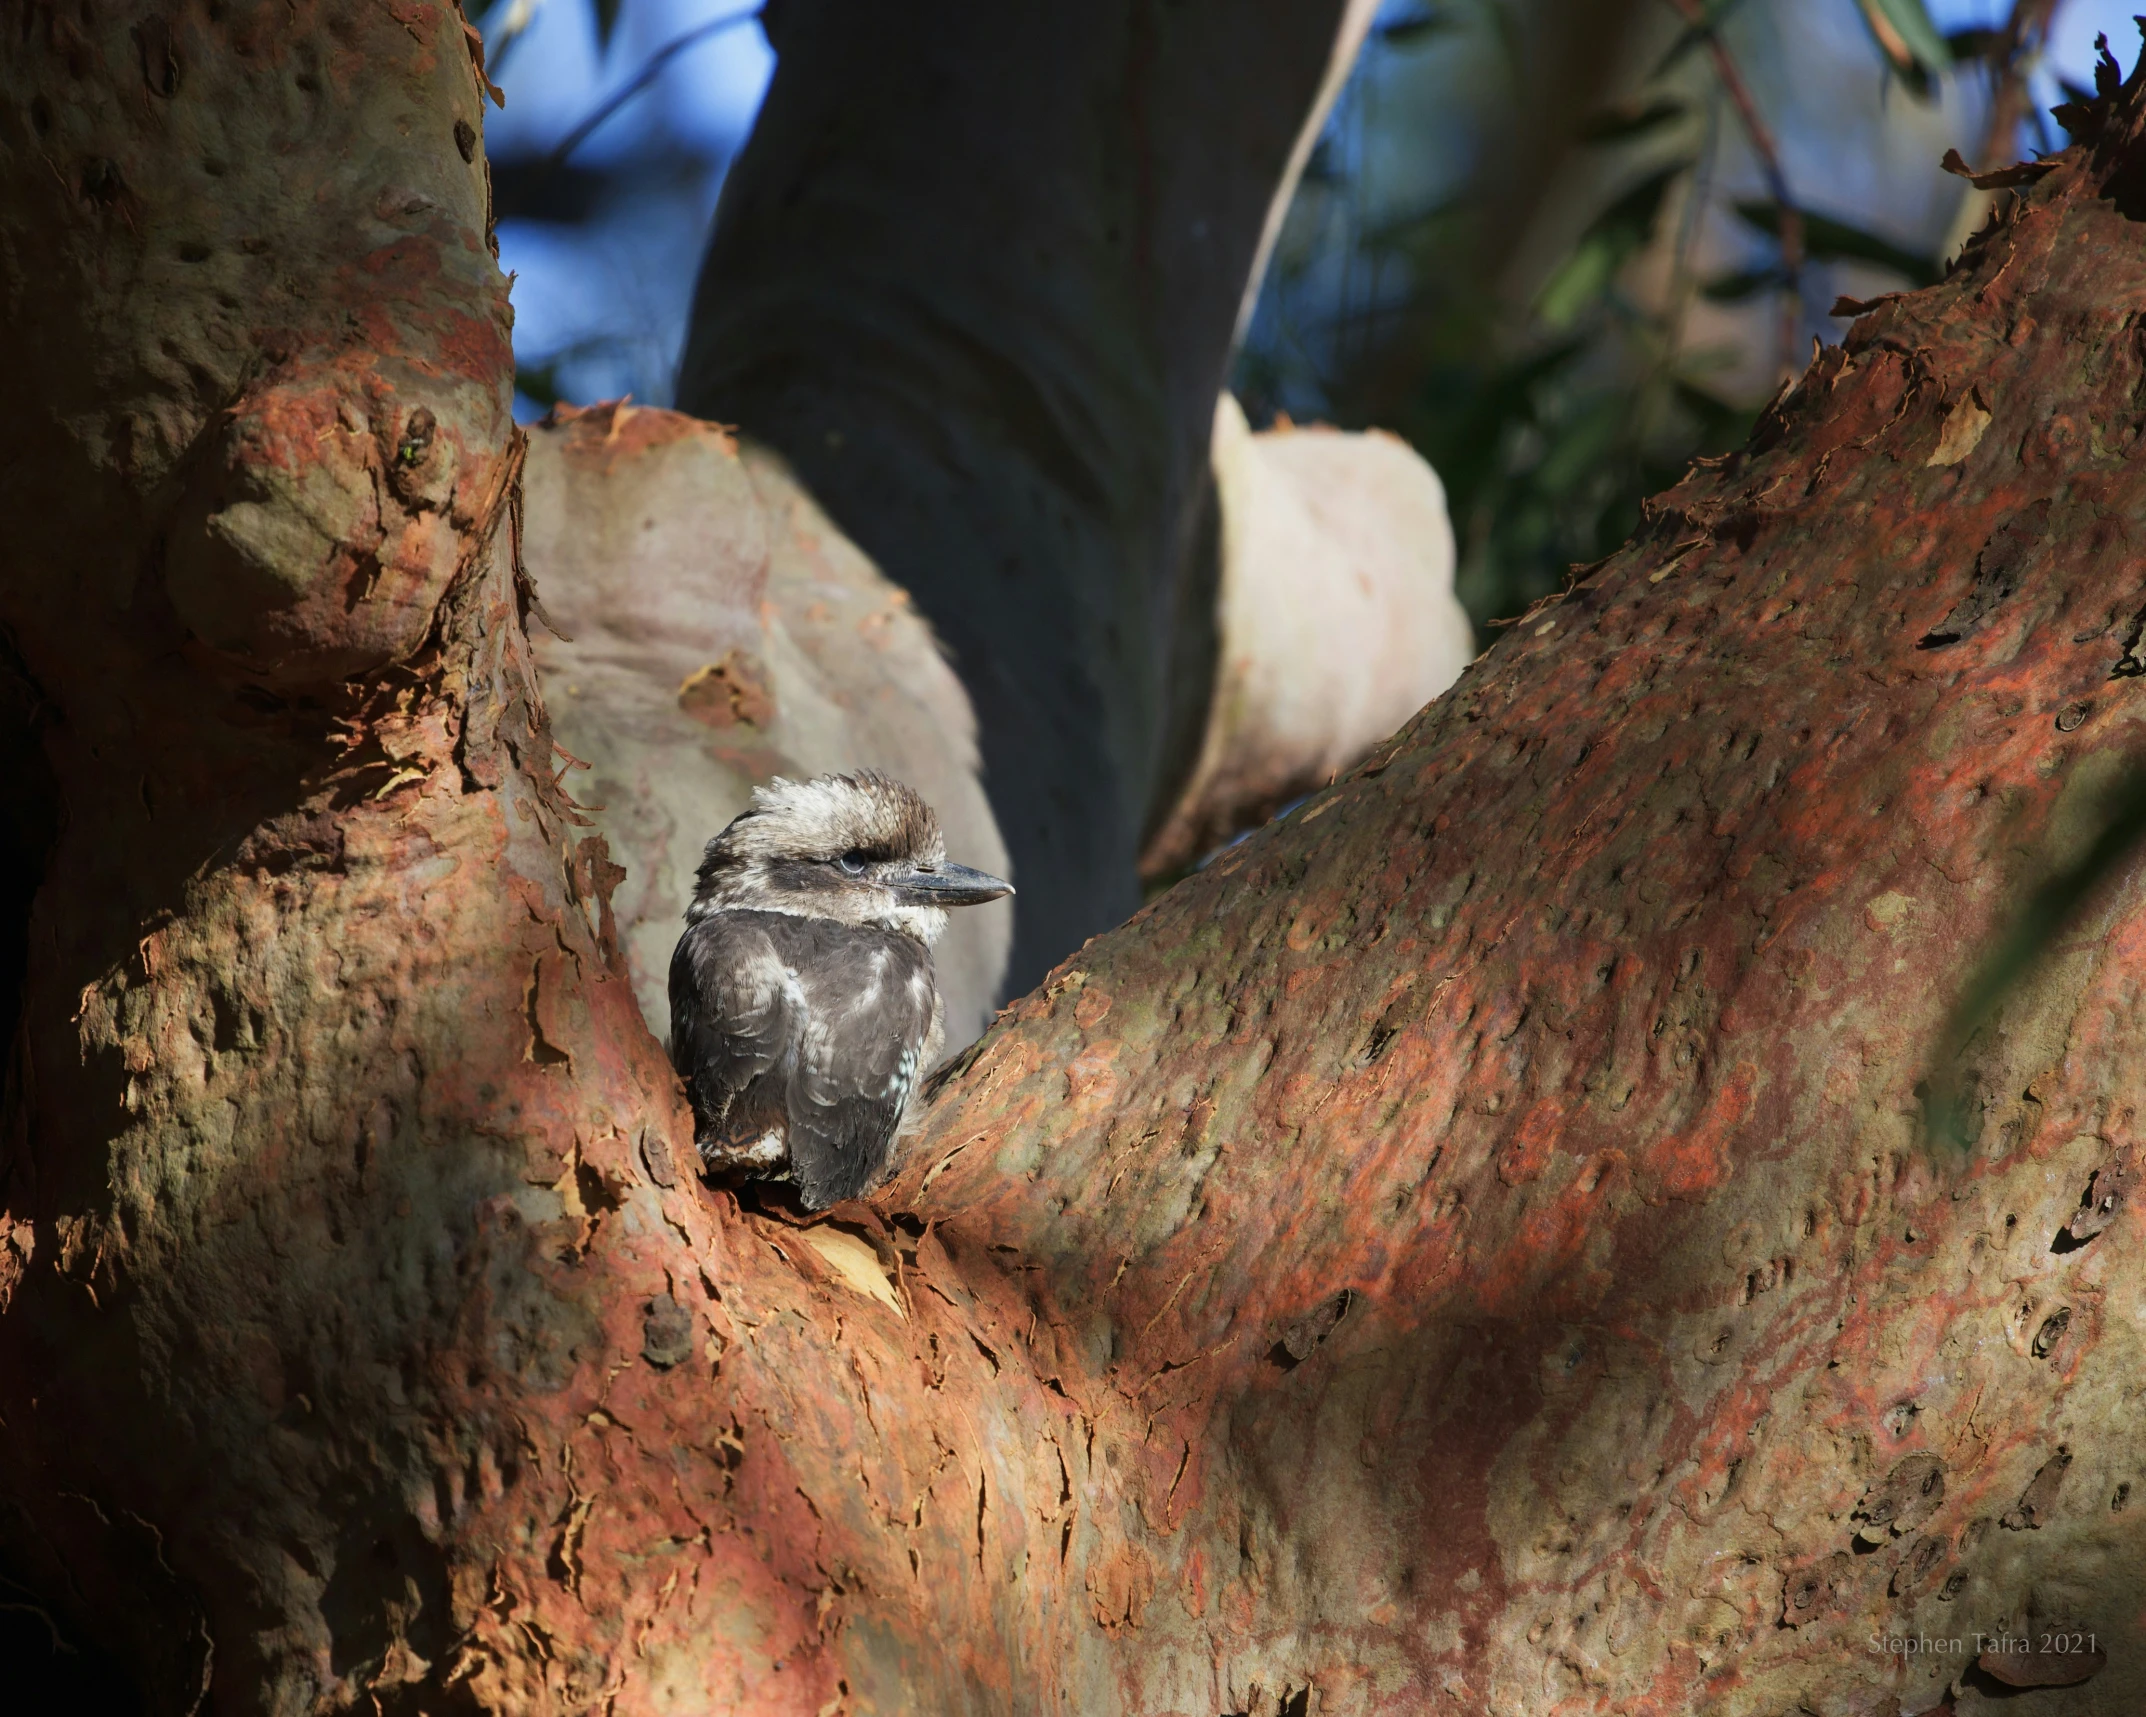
804	1008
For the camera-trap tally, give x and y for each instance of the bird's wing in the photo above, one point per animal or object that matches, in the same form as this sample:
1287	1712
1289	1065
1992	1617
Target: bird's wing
734	1003
869	1003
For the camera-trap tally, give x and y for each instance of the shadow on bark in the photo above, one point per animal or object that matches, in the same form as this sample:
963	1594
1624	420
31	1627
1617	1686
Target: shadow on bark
50	1673
29	822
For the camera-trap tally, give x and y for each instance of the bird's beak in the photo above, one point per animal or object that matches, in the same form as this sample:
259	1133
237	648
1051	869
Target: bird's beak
949	885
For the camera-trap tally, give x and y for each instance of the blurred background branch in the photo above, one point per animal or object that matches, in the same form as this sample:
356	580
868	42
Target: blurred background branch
651	69
1701	20
1552	243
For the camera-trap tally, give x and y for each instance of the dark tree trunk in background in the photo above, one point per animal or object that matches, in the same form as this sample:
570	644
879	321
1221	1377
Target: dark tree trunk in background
977	277
1476	1247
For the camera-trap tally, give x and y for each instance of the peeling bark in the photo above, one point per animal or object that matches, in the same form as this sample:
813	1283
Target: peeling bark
1474	1247
1335	622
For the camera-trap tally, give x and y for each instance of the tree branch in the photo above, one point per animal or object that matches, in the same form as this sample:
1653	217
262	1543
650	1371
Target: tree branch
1756	129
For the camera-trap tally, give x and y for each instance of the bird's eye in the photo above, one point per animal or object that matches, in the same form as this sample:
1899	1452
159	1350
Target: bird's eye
853	862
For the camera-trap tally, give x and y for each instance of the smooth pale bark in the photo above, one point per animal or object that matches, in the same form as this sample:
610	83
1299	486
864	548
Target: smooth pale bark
718	632
977	276
1474	1247
1335	621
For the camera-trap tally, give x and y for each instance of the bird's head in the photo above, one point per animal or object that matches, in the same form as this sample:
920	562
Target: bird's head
855	849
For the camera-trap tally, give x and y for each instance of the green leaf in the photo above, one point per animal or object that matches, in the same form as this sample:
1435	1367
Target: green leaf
1829	240
1630	121
538	382
1578	281
1695	35
1501	400
1746	284
1419	232
1720	423
1611	240
1977	44
1417	29
1632	216
1910	42
1321	168
1584	444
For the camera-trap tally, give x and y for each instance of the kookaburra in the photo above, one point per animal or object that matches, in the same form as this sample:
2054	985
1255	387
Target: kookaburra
804	1009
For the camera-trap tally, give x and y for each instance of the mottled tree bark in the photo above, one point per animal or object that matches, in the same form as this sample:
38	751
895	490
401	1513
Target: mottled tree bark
1476	1247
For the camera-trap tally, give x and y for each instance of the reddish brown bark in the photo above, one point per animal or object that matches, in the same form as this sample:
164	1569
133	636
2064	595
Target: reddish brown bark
1476	1247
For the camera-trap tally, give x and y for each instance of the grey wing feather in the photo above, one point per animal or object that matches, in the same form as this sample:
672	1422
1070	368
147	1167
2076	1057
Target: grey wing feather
871	1010
731	1007
817	1030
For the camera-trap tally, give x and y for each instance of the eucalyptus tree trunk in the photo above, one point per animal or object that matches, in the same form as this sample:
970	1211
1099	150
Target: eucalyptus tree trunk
979	283
1475	1247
